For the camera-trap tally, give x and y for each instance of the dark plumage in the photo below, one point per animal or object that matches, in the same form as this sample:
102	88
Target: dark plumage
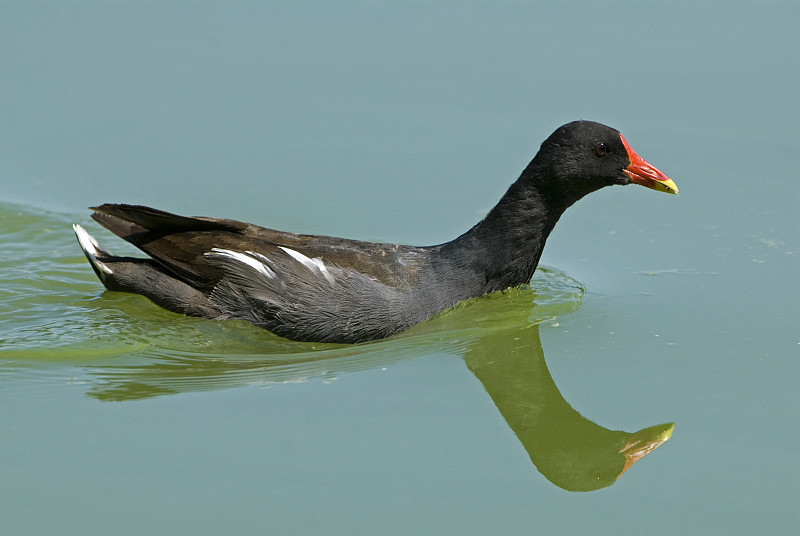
319	288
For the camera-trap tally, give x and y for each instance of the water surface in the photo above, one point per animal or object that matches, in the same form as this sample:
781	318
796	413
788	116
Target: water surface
404	122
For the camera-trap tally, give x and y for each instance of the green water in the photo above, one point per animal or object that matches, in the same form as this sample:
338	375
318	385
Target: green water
405	122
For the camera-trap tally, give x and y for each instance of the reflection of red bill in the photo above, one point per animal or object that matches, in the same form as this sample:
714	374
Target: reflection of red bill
636	449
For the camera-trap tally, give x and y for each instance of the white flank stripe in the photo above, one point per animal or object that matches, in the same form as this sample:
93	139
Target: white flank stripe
315	264
90	246
252	262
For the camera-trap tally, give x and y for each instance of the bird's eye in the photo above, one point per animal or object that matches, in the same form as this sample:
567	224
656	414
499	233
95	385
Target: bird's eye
601	149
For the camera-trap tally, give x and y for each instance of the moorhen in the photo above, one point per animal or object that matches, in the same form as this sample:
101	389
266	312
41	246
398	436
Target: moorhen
324	289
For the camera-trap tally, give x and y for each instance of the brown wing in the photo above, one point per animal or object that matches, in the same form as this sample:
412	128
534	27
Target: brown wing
180	243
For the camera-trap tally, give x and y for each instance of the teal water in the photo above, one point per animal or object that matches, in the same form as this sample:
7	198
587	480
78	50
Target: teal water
404	122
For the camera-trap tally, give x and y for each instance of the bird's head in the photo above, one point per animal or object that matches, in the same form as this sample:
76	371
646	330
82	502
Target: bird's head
584	156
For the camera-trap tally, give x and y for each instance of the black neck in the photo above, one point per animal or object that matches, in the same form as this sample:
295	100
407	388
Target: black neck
504	248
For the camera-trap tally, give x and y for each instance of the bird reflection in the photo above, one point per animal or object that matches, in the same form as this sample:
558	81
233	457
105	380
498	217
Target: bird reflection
571	451
505	354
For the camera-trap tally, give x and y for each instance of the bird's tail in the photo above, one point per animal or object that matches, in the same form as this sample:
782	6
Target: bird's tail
95	254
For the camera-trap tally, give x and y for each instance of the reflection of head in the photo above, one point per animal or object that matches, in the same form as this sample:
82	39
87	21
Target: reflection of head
571	451
583	456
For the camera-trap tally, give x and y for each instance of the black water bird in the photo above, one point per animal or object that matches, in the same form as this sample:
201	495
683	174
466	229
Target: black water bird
325	289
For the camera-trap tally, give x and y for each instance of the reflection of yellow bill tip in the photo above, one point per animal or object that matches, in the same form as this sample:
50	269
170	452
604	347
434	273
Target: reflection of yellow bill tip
666	434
